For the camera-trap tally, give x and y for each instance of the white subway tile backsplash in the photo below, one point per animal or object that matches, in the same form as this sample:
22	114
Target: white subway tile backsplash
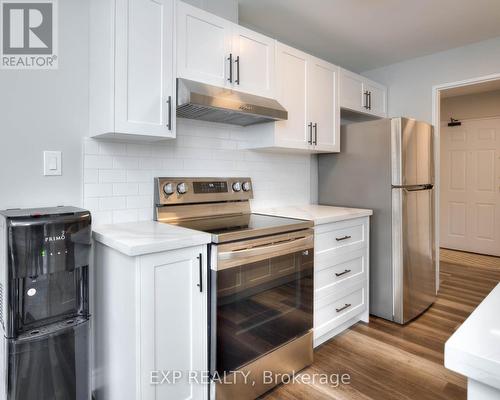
136	202
91	176
134	149
118	177
102	217
95	161
125	162
112	203
137	175
97	190
125	189
112	175
112	148
91	146
125	216
146	188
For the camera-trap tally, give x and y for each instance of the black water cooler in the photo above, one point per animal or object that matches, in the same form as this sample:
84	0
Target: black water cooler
44	310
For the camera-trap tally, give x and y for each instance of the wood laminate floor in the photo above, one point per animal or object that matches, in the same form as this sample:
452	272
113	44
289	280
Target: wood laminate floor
391	362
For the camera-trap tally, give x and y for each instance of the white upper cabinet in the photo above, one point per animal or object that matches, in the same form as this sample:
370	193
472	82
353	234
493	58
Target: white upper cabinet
253	62
132	69
360	94
351	91
218	52
292	95
323	108
377	98
307	88
203	46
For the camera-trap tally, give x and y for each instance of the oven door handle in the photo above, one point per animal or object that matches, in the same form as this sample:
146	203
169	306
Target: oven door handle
234	258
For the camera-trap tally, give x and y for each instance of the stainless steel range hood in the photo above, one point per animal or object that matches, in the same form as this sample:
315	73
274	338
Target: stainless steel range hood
211	103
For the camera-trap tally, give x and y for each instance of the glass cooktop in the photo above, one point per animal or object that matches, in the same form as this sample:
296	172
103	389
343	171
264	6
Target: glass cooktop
239	227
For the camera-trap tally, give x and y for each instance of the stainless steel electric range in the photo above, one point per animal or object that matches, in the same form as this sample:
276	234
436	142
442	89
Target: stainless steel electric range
261	282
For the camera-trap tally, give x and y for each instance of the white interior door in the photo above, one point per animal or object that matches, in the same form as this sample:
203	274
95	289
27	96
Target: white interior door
470	186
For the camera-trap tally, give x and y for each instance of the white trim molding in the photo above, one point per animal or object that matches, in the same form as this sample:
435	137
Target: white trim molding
436	122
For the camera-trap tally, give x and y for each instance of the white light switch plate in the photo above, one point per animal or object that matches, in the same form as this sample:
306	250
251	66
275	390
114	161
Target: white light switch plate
52	163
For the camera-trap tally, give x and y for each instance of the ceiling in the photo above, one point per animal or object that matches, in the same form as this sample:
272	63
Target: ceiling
489	86
367	34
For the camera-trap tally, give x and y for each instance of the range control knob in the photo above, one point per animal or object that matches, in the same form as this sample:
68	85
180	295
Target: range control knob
247	186
237	186
168	189
182	188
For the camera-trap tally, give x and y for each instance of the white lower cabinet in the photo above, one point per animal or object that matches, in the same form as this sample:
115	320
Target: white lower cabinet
150	325
341	277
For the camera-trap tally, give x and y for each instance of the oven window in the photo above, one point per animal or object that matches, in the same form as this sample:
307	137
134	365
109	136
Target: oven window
261	306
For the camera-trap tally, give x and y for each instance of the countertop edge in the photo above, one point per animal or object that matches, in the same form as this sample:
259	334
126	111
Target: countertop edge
194	239
350	213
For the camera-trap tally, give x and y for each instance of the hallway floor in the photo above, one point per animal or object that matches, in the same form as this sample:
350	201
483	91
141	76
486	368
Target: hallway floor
387	361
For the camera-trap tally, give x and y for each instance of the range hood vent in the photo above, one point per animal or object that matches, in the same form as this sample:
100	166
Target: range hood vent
211	103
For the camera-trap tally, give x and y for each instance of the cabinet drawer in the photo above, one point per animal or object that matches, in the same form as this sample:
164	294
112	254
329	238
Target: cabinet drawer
335	271
332	311
342	236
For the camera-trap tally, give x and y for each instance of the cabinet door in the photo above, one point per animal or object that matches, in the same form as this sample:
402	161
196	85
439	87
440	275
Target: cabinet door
254	62
203	46
377	102
173	322
351	91
144	68
323	108
291	91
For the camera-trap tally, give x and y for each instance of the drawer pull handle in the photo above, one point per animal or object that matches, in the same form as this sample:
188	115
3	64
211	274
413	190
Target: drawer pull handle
342	273
343	308
343	238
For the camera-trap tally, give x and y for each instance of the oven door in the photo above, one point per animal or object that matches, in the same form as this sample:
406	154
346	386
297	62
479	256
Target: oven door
262	297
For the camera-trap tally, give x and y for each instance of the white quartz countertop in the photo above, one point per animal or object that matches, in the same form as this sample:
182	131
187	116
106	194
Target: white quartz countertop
138	238
474	349
316	213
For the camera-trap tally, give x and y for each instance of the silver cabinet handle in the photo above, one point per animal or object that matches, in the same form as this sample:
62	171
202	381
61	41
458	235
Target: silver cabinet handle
230	59
315	134
169	120
343	238
310	126
237	62
343	308
343	273
200	281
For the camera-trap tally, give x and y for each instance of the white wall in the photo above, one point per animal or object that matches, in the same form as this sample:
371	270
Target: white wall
410	82
46	110
119	176
477	105
227	9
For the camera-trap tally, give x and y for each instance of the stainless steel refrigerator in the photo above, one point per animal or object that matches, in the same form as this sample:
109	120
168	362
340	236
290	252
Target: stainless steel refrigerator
387	166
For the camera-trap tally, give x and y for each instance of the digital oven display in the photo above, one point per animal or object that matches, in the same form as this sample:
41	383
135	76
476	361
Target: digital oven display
210	187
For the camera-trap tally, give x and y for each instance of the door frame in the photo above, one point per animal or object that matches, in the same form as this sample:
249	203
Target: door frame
436	122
